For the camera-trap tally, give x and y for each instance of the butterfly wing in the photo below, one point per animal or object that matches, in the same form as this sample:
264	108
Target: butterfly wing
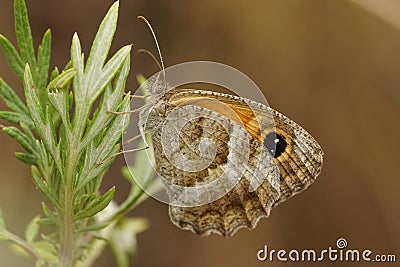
296	155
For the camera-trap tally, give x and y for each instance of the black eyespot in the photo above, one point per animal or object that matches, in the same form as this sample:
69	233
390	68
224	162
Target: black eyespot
275	143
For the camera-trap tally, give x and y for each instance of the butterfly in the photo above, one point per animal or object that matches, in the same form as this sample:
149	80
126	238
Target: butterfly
295	155
225	160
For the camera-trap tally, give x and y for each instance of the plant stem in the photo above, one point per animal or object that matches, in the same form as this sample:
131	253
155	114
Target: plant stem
66	257
67	235
23	244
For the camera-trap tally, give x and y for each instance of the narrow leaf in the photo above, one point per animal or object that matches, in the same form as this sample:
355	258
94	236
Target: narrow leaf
27	130
54	74
47	211
32	100
101	44
61	80
47	221
44	188
26	158
77	63
94	227
109	71
59	102
91	169
110	102
44	52
16	118
43	66
97	205
41	120
20	137
11	98
59	99
13	58
32	229
23	33
119	85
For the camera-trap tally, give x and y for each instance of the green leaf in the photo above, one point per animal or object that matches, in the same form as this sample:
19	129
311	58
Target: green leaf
95	227
109	71
115	130
26	158
84	89
20	137
48	212
44	188
84	199
91	168
32	229
77	62
119	85
23	33
110	101
54	74
113	122
107	146
27	130
47	221
16	118
11	98
41	120
51	217
13	58
59	98
44	51
101	46
32	101
97	205
61	80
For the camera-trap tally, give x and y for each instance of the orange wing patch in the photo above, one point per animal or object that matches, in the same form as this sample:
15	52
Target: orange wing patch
236	111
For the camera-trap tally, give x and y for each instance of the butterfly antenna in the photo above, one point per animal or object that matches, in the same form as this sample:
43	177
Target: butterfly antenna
152	56
155	40
122	152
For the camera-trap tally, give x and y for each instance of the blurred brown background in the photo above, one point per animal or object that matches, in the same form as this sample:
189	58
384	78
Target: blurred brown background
332	66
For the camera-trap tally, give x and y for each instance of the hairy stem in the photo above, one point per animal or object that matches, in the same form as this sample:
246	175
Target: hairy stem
67	235
66	256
